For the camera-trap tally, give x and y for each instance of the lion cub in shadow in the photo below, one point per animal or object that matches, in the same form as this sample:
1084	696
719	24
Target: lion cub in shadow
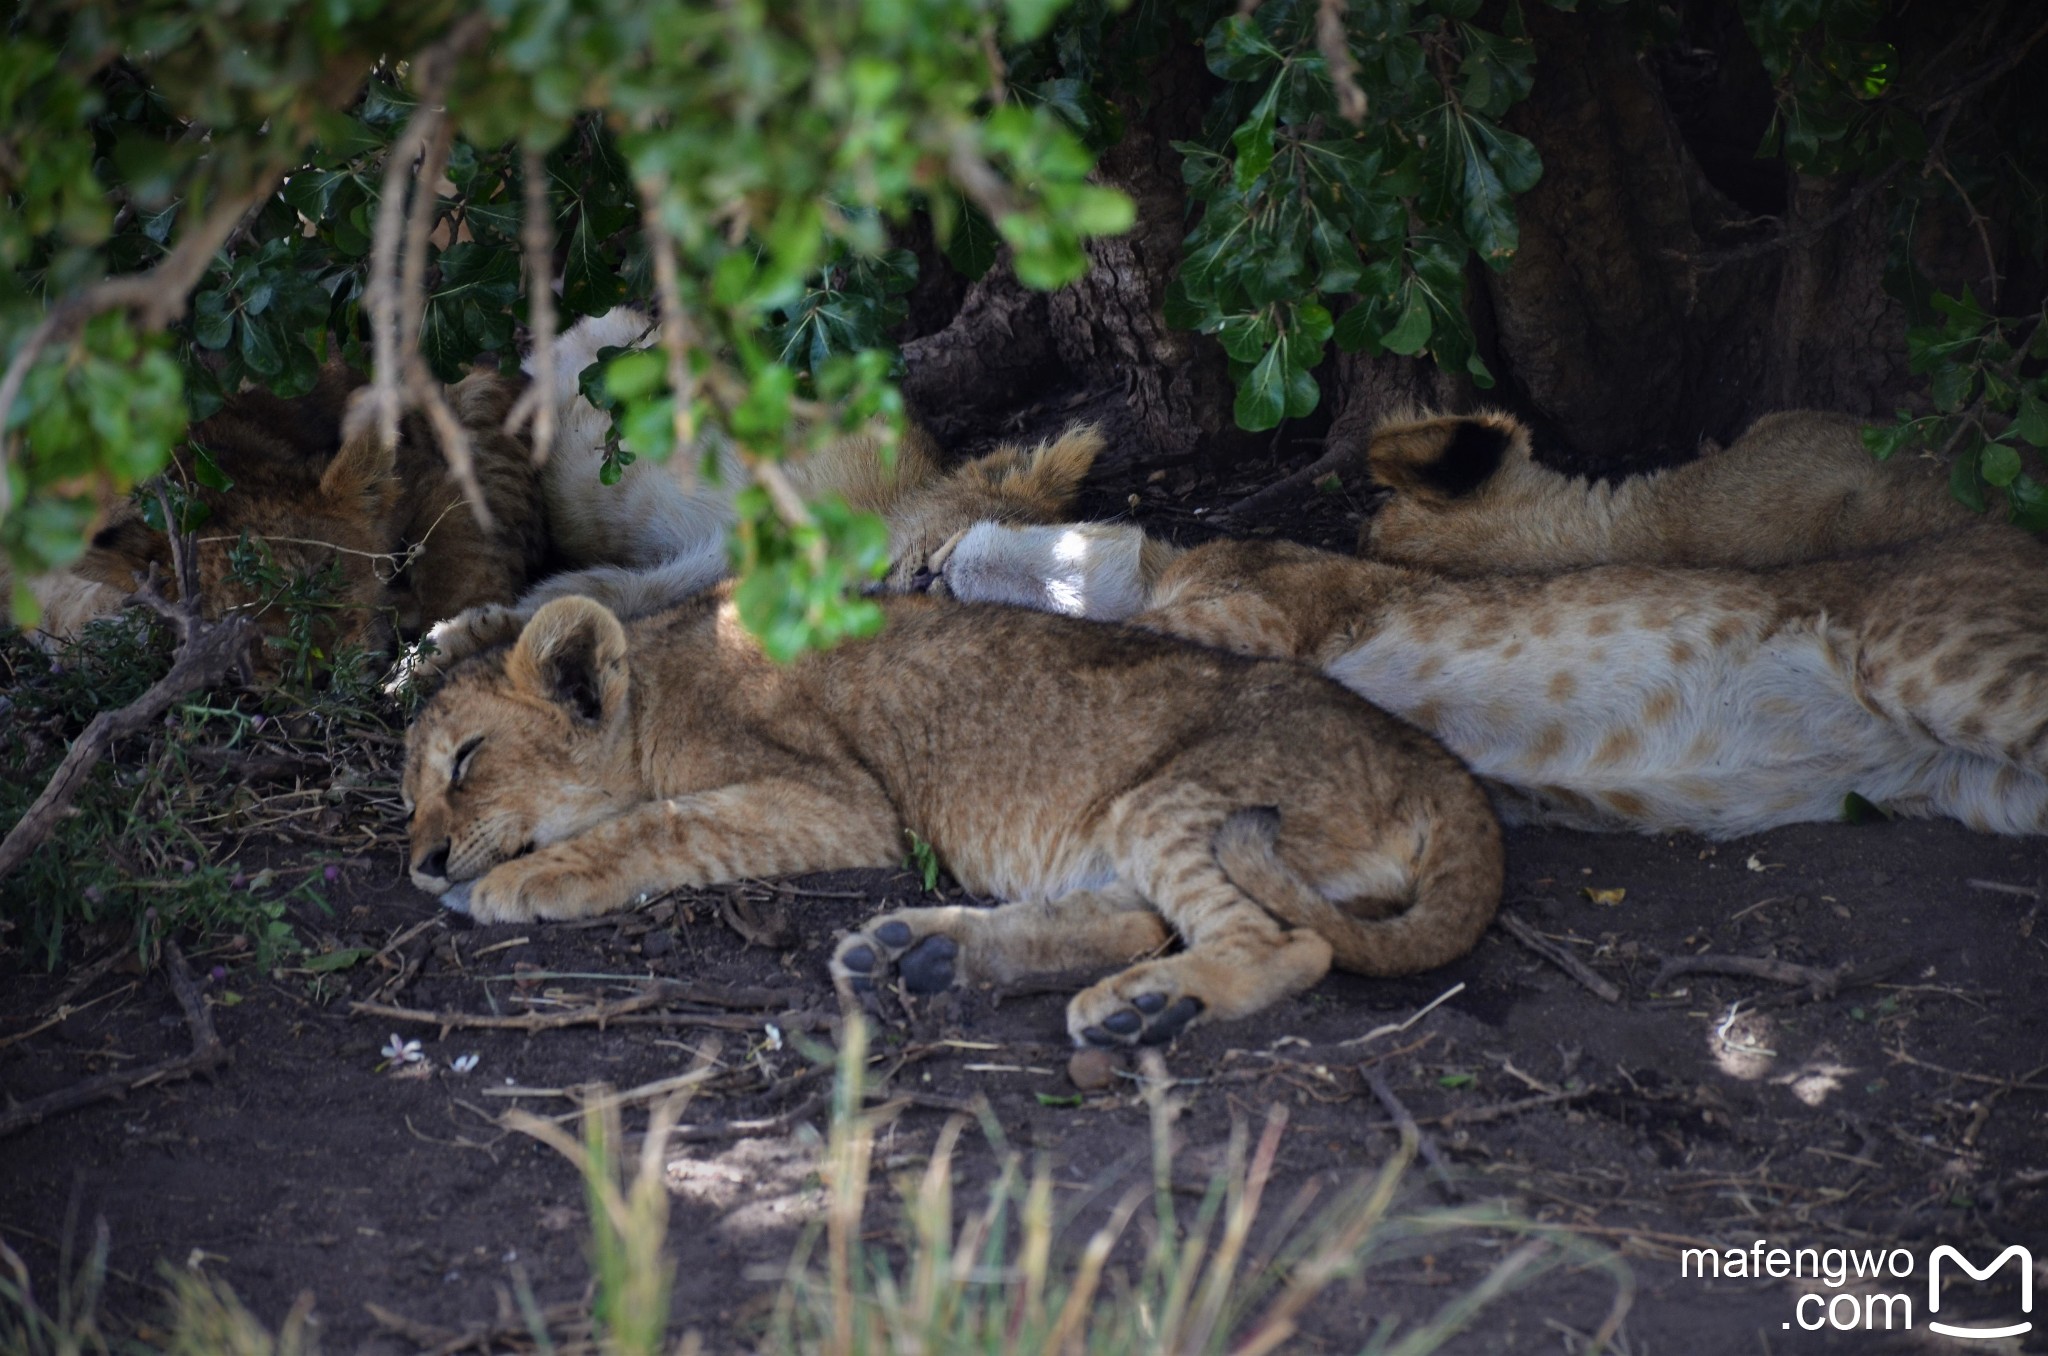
1899	656
1122	790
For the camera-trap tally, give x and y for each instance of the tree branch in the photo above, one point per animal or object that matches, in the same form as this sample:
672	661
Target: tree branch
207	652
536	404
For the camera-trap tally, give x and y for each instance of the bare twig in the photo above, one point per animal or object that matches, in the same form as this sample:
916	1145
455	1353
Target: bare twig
1564	960
1815	982
207	652
1341	454
1999	887
675	329
536	404
595	1014
207	1055
1405	1119
1335	46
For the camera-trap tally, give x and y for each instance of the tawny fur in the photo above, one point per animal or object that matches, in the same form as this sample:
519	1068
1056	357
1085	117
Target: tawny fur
658	535
1799	485
1646	697
386	529
1119	788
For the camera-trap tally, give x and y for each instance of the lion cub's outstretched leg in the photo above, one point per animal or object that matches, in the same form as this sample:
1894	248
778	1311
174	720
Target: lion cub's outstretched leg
1176	843
935	948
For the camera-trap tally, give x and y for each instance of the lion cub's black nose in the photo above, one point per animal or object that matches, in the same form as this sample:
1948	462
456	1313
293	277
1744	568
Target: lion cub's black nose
435	863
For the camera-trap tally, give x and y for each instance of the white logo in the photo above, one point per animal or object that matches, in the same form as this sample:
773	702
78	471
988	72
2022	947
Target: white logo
2026	1260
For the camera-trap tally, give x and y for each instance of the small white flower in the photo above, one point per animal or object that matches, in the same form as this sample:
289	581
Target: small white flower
462	1064
774	1036
401	1051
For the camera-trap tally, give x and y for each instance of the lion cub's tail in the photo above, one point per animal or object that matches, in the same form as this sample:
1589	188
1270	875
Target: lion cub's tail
1453	888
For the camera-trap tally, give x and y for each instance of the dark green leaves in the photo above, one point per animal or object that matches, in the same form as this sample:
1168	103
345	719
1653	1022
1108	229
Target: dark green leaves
1299	209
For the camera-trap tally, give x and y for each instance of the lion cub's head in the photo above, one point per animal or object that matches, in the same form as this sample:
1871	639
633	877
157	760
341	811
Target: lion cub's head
521	748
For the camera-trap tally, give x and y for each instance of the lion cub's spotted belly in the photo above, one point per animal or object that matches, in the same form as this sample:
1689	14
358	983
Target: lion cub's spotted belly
1720	715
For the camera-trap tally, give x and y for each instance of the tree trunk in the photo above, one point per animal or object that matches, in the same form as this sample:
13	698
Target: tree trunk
1669	288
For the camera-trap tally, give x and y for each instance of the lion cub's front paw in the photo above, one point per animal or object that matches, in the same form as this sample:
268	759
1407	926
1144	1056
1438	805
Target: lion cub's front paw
1144	1005
447	643
927	962
536	886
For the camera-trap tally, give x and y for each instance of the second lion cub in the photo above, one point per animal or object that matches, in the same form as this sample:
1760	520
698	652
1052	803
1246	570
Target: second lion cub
1121	789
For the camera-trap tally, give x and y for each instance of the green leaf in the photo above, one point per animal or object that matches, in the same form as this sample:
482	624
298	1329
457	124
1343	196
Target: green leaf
1302	392
2029	499
1964	484
1857	810
1030	18
343	958
1237	50
2031	422
1048	1099
1254	139
1411	332
1998	464
1262	395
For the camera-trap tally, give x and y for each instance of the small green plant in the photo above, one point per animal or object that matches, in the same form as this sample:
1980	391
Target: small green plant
27	1328
924	859
1990	392
1000	1280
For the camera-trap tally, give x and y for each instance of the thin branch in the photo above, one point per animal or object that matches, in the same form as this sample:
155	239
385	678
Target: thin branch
1335	46
536	404
1990	73
157	296
675	330
389	311
207	652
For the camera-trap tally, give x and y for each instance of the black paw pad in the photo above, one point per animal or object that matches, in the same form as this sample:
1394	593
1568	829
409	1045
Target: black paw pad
894	933
1149	1003
1096	1036
1170	1023
858	958
928	966
1123	1023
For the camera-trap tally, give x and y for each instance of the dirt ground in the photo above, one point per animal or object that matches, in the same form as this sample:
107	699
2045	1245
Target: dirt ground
1900	1104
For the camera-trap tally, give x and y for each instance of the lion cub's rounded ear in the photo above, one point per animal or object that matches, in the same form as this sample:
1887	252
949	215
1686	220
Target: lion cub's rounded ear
365	464
572	652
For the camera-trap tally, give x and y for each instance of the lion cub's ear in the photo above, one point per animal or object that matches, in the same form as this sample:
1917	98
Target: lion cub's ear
364	467
123	551
572	652
1445	456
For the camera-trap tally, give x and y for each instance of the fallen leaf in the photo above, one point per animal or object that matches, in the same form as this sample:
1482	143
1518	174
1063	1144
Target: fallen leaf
1608	897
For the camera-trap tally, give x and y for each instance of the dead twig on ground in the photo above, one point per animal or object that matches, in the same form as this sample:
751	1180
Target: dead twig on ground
207	652
1999	887
771	929
208	1054
1405	1120
601	1013
1604	990
1817	982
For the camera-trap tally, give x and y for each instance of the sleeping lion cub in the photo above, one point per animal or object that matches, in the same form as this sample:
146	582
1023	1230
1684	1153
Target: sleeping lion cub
1121	789
1651	697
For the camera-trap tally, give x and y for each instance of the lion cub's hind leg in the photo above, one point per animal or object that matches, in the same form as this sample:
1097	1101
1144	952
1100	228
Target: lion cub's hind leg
935	948
1239	957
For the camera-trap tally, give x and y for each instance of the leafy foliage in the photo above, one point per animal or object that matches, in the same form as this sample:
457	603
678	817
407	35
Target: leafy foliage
1315	226
739	163
1885	92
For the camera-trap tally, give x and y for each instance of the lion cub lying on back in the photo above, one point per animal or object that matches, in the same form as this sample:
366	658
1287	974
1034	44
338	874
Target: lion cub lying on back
1120	788
1650	697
